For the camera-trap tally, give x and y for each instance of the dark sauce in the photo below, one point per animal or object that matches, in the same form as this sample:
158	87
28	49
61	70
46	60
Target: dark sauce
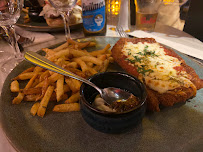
130	103
120	106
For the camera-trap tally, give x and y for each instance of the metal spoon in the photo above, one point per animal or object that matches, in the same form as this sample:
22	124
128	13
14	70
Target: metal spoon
108	94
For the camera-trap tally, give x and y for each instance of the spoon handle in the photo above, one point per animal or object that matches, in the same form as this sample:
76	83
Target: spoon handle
47	64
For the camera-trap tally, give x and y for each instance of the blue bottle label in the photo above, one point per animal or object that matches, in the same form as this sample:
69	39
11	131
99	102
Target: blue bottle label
94	15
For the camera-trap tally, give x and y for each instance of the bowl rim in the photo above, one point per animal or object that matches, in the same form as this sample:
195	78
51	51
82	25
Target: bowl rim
142	102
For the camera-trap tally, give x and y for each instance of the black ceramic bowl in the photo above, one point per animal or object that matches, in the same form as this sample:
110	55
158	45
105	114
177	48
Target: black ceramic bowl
34	14
110	122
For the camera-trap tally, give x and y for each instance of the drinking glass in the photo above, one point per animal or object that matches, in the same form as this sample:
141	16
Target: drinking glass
146	14
9	14
64	7
4	55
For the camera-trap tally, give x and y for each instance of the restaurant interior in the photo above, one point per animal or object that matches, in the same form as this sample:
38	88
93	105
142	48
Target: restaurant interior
101	75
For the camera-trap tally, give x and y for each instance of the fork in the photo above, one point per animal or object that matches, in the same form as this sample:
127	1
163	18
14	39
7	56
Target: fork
121	32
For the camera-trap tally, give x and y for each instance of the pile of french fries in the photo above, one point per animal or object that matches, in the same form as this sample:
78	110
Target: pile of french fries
44	86
26	17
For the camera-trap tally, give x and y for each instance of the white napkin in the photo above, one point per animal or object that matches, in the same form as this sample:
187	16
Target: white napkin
177	46
39	36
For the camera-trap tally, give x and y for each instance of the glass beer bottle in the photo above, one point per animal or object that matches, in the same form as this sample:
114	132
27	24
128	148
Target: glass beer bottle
94	17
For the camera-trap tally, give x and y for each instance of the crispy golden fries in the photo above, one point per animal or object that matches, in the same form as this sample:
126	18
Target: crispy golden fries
18	99
67	107
59	88
46	86
15	86
73	98
45	100
35	108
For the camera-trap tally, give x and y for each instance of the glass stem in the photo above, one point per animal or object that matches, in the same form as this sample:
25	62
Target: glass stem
66	24
14	42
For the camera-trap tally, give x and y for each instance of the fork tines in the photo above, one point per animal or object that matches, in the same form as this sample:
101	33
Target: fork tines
121	32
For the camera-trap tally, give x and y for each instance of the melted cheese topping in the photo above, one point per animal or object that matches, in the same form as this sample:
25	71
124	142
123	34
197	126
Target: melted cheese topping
156	68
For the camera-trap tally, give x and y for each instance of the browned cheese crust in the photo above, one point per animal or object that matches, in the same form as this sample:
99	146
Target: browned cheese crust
155	99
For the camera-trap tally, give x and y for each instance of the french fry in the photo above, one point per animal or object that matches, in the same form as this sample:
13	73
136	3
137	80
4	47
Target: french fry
91	44
66	88
34	108
45	100
82	64
92	71
76	84
97	67
49	52
59	54
36	97
73	98
99	52
26	16
66	107
36	81
32	91
72	65
44	75
31	97
102	57
36	71
77	44
44	89
91	59
111	60
73	84
18	99
29	84
79	53
28	70
59	88
14	86
105	66
61	47
51	79
24	10
24	76
90	64
76	71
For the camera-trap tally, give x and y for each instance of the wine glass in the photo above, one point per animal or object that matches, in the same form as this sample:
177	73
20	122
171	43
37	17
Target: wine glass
64	7
4	55
9	14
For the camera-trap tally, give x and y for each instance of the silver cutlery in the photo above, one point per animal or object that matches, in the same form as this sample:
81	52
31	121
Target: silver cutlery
121	32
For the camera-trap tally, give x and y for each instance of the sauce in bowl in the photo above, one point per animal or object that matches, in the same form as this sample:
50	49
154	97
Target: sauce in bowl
117	106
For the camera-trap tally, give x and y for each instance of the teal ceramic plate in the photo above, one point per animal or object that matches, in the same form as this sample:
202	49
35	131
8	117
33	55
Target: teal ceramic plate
178	128
43	27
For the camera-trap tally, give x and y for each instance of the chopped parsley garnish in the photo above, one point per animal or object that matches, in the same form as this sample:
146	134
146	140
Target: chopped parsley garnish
129	53
137	59
147	53
143	70
130	60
